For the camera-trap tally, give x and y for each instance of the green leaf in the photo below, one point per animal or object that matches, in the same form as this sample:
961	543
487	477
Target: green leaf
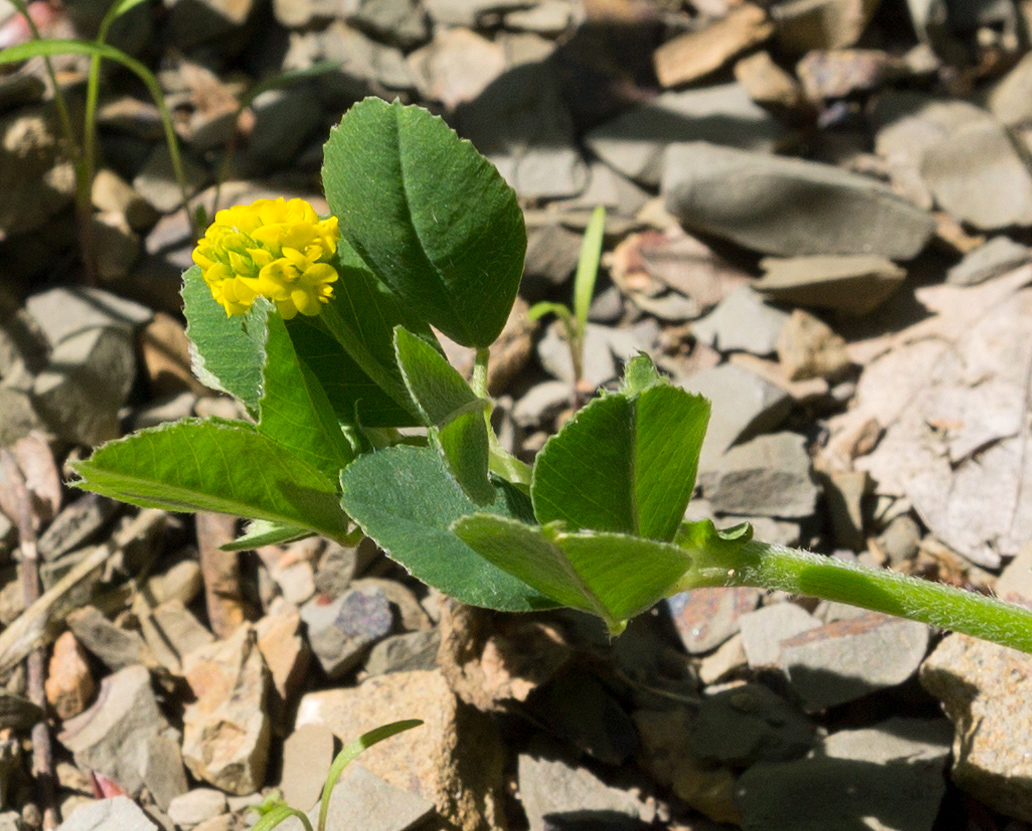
215	465
280	812
261	532
352	751
452	411
295	411
587	267
430	216
614	576
626	463
229	352
404	498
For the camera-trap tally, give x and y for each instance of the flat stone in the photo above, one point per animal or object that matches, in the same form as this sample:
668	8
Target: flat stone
542	403
400	22
284	649
86	382
742	321
764	203
69	310
978	177
726	660
900	541
802	25
767	476
619	195
467	12
341	631
339	565
172	632
196	806
744	404
767	83
401	653
226	731
695	54
991	259
855	284
634	142
293	574
808	348
550	789
76	523
764	630
705	618
1015	582
456	66
307	755
191	22
112	194
524	127
455	759
119	812
889	777
1009	99
844	493
552	255
978	684
847	659
549	17
156	181
125	737
284	120
364	800
747	724
117	648
295	14
839	73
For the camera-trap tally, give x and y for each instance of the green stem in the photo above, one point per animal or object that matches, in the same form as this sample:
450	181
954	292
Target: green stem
500	460
479	380
775	567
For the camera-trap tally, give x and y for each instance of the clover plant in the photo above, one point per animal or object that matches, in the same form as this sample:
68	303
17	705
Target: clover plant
324	330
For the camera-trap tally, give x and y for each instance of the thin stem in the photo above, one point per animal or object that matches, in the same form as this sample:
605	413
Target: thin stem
775	567
479	380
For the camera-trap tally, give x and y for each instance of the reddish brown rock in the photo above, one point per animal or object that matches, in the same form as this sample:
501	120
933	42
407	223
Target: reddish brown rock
69	682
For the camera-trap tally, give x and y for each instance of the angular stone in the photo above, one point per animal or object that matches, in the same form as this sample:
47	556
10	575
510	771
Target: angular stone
525	129
550	789
117	648
1010	99
456	66
172	632
296	14
107	814
978	177
117	245
977	684
341	631
844	492
764	630
125	737
455	759
808	348
766	203
729	658
402	653
293	574
69	310
284	120
803	25
226	731
87	381
744	404
400	22
693	55
542	403
284	649
552	255
76	524
853	284
634	142
1015	583
191	22
196	806
991	259
767	83
705	618
843	72
307	755
548	17
742	321
847	659
890	775
69	684
156	181
466	12
338	566
112	194
768	476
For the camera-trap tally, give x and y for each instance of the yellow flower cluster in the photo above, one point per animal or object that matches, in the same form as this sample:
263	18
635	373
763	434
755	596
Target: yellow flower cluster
271	248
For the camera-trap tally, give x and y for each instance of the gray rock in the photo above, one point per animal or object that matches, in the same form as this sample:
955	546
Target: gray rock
887	777
802	25
847	659
125	737
466	12
634	142
525	129
744	404
900	540
1010	99
552	789
283	122
296	14
542	403
618	194
978	176
89	376
307	755
742	321
1015	583
456	66
705	618
765	629
364	800
119	813
69	310
18	417
156	181
117	648
767	476
844	492
748	724
549	17
766	203
992	715
76	523
599	365
991	259
853	284
907	123
400	22
401	653
342	631
552	254
196	806
169	408
339	565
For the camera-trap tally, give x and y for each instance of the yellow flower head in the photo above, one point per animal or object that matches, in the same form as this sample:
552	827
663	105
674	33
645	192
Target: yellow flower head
271	248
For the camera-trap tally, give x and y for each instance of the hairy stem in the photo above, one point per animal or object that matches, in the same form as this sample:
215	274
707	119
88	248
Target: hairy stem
801	572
